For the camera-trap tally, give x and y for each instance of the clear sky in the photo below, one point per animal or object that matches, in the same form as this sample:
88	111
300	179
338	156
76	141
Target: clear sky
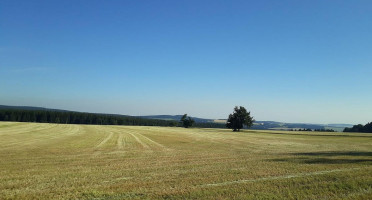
291	61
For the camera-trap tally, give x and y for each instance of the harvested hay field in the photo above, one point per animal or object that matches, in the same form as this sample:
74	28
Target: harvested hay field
62	161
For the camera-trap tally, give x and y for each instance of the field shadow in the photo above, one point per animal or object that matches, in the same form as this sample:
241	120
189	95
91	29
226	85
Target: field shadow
335	157
311	135
335	153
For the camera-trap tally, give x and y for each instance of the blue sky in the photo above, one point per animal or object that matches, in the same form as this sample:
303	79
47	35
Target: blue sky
290	61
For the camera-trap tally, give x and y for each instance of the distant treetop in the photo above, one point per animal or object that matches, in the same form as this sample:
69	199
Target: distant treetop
238	118
360	128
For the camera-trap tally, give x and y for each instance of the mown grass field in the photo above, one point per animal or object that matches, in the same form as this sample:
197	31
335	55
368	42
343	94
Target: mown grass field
57	161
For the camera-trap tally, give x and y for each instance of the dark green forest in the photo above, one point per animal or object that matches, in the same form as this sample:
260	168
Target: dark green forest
360	128
45	116
68	117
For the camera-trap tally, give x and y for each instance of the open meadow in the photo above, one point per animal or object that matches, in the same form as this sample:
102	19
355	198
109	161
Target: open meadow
64	161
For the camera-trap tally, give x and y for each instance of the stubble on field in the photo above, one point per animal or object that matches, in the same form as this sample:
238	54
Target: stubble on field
62	161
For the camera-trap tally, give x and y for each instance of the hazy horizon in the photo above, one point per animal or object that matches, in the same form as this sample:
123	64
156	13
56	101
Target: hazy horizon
286	61
114	112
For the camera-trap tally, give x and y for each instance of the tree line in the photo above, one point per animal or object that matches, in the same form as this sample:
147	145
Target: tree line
324	130
360	128
61	117
45	116
237	120
316	130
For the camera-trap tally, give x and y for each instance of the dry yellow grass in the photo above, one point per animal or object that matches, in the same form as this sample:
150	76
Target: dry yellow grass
58	161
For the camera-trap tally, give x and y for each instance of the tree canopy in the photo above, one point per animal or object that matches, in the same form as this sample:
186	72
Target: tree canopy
47	116
186	121
360	128
69	117
239	118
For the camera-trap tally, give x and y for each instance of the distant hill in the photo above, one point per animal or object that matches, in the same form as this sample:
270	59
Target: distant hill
177	118
3	107
30	108
264	125
261	125
340	125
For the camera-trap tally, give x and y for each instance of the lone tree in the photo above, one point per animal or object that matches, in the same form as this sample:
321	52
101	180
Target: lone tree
186	121
238	118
